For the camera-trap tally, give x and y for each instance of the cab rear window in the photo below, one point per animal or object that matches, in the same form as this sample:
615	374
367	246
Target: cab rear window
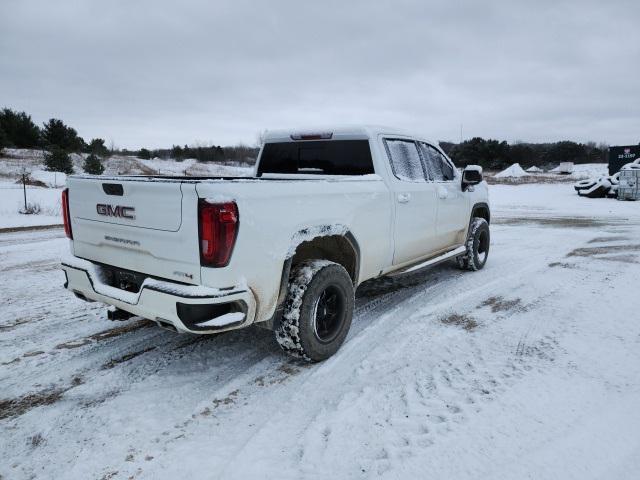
328	157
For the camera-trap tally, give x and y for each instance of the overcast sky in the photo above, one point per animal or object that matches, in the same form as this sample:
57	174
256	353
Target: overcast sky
155	73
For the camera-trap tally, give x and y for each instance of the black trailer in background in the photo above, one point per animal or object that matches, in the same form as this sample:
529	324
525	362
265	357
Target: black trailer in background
620	156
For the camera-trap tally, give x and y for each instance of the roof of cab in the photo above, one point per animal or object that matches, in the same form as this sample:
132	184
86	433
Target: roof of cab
347	132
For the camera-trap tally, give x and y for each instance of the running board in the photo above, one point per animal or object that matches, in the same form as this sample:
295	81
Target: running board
432	261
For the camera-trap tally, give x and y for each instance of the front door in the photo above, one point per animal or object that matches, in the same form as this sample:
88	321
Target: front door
416	202
453	203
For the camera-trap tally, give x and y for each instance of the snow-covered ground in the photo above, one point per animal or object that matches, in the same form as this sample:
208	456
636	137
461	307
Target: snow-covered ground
194	168
12	201
529	368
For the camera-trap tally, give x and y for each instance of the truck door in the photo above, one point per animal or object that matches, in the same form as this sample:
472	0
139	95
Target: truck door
453	203
415	202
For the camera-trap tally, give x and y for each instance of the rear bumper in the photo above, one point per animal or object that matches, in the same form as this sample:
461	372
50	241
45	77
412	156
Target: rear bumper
182	306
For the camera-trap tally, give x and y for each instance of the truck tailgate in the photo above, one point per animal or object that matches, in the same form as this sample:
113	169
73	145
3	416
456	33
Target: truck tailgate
145	226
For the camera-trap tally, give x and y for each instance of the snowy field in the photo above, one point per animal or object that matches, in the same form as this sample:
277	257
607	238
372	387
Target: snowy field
529	368
12	200
16	161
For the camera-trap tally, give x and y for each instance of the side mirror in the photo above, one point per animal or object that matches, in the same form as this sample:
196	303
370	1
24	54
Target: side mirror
471	175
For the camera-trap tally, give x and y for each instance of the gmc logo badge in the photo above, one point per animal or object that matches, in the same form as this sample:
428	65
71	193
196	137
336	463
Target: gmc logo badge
115	211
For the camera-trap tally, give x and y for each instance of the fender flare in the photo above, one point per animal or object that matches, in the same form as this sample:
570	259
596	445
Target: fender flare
273	322
480	206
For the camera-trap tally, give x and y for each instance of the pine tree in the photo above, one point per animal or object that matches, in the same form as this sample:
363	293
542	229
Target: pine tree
19	129
177	153
4	139
93	165
144	154
97	147
56	133
57	160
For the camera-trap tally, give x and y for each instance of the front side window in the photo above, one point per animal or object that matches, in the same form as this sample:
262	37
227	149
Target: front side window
439	168
405	160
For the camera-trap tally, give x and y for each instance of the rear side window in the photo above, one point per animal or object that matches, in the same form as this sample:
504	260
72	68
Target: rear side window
328	157
438	166
405	160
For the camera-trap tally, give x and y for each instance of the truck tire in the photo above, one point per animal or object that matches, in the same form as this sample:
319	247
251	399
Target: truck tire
477	246
317	312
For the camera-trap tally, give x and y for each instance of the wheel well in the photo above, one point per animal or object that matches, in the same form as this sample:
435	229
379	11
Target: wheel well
482	211
340	249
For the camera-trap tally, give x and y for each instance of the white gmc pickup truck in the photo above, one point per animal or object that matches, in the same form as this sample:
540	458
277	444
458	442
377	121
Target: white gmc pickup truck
284	249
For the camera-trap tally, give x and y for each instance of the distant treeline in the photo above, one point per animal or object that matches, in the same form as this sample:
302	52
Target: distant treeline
497	155
237	154
19	131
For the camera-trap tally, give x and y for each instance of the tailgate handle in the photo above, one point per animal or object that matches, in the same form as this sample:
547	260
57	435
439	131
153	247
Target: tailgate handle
113	189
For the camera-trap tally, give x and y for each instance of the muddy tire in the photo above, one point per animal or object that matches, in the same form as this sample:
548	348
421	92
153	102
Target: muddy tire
317	312
477	246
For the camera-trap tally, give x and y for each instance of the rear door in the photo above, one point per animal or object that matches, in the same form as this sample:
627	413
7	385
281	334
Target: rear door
145	225
453	203
415	202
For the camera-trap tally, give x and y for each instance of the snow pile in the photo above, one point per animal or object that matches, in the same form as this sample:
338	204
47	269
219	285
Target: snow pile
514	171
534	169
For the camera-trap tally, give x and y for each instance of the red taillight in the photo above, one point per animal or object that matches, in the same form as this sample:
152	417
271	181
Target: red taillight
218	231
66	216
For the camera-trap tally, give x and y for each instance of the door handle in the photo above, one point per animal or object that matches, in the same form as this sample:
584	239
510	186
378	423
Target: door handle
404	197
442	192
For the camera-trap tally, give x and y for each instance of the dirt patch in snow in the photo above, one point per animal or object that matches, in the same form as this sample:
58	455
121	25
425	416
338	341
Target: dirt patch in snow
228	400
36	440
558	222
111	333
282	374
29	228
543	349
604	250
464	321
125	358
14	407
33	353
607	239
16	323
499	304
17	406
562	265
620	258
